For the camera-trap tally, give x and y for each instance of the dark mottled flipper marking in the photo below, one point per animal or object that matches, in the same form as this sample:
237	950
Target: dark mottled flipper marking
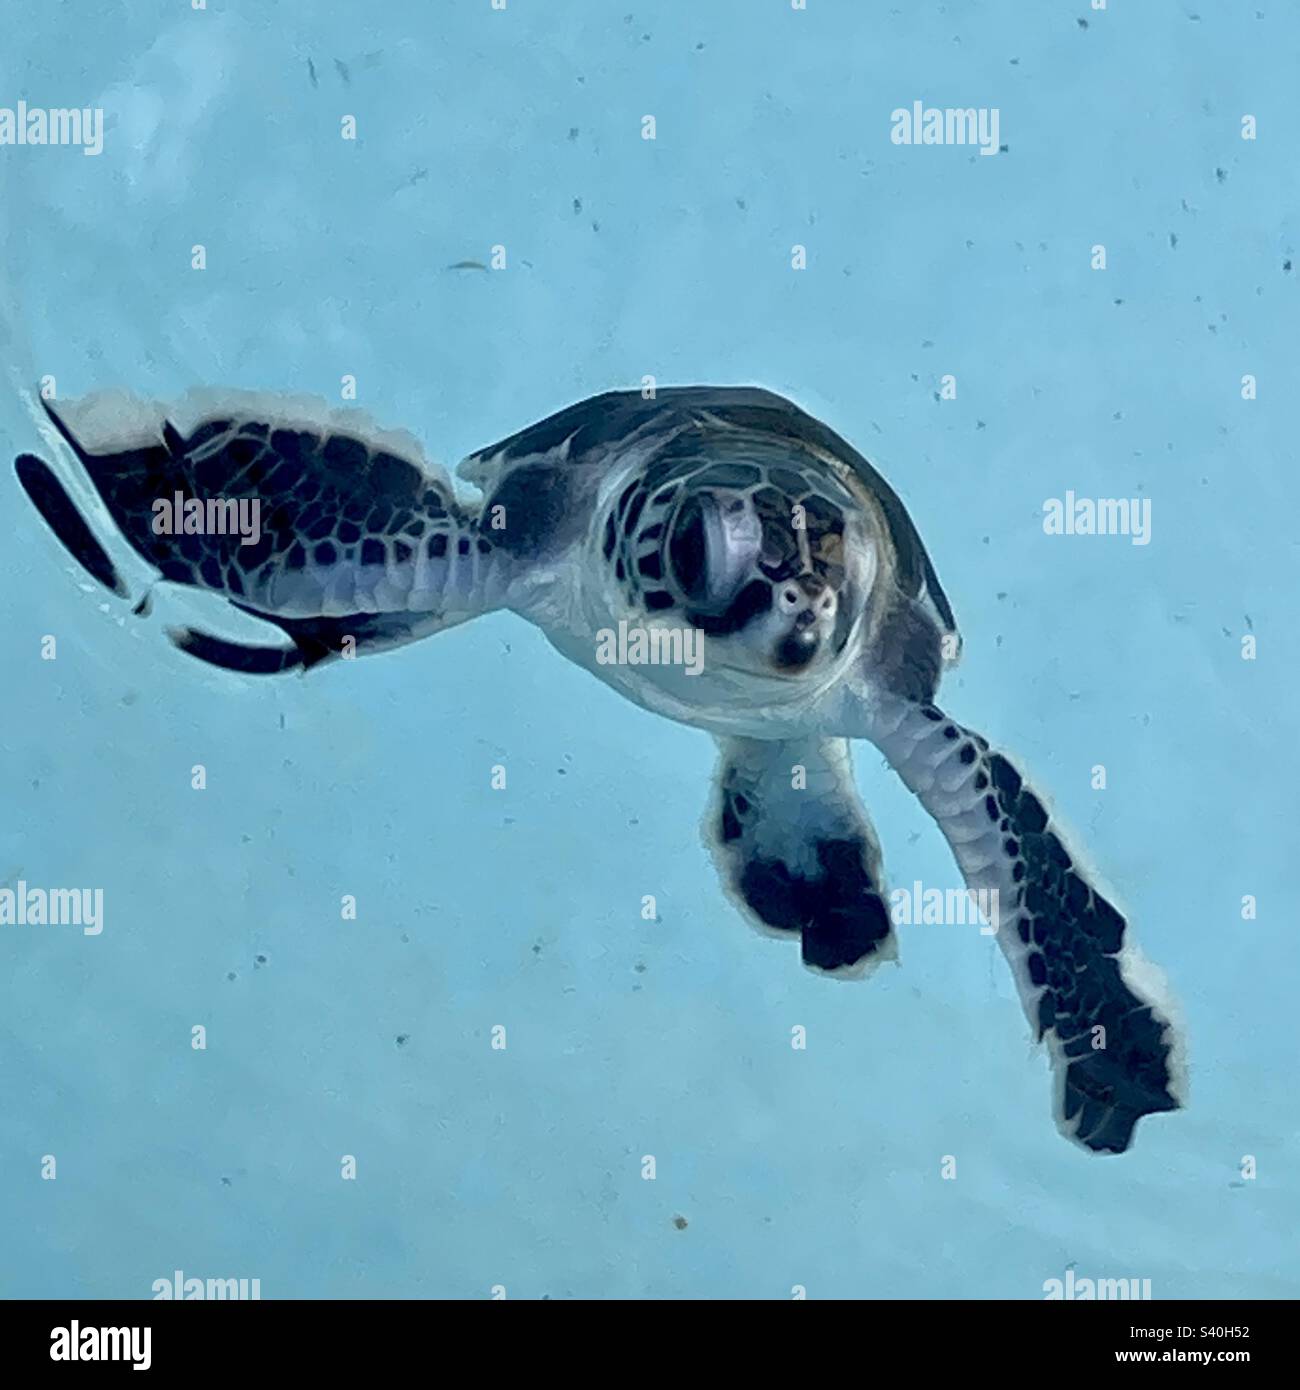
64	518
1115	1051
1071	938
236	656
328	504
802	859
343	544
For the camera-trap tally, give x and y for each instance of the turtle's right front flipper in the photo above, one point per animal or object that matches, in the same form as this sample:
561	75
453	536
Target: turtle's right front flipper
323	527
63	517
796	849
1084	987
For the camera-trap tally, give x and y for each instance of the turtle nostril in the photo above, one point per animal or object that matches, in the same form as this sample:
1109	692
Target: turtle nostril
791	596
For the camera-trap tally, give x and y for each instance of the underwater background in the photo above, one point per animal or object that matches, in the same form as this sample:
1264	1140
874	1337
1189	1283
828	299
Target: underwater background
776	1168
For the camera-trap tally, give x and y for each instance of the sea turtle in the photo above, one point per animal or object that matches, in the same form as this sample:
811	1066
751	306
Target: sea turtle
721	515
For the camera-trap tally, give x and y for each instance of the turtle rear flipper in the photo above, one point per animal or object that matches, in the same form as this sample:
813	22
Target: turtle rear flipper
1085	989
797	851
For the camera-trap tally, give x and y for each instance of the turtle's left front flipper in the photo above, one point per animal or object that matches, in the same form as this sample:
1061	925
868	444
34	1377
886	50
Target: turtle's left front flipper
1085	989
796	849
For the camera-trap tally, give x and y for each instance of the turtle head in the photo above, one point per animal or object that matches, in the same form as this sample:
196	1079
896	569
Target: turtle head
766	581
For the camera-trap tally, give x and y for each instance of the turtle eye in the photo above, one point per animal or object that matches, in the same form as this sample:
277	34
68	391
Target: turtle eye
714	545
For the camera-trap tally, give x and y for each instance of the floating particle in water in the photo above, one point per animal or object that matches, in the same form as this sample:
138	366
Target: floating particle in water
577	206
230	975
402	1039
259	961
342	69
467	265
311	72
573	132
680	1222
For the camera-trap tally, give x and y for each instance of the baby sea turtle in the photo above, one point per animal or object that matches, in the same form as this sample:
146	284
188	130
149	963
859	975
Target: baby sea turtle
724	520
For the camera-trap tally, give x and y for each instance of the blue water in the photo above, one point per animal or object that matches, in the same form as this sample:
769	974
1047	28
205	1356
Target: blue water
522	1167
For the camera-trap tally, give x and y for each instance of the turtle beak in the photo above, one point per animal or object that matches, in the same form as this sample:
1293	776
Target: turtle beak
798	647
810	606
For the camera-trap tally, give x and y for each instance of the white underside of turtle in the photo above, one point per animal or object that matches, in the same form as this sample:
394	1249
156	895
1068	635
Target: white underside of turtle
714	554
